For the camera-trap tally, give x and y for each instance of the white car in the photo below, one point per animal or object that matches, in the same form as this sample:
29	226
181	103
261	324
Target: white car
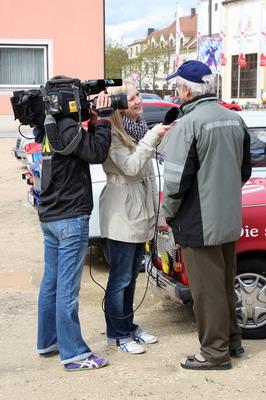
256	123
255	120
19	149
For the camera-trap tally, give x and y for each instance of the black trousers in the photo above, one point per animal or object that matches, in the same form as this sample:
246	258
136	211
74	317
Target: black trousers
211	272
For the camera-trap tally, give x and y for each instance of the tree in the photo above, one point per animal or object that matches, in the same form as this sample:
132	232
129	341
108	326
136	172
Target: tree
115	59
152	65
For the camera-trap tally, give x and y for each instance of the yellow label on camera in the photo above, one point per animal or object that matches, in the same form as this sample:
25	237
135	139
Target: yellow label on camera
72	106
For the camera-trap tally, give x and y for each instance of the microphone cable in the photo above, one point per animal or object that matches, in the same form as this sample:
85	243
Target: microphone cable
148	264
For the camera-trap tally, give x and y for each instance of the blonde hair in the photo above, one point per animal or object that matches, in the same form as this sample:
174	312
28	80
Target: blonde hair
116	118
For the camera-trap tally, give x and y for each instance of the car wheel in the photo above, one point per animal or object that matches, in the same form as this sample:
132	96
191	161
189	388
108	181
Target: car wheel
250	287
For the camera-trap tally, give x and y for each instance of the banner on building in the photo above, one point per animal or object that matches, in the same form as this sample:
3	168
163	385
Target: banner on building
210	52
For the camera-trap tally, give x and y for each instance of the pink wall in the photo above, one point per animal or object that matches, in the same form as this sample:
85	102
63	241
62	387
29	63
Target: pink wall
76	30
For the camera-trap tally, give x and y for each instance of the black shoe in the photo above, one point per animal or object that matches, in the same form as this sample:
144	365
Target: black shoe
191	362
237	351
49	353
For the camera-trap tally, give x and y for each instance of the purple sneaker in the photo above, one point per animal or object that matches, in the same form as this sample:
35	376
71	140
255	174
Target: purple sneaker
91	362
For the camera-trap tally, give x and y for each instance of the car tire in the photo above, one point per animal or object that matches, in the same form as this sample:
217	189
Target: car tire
250	286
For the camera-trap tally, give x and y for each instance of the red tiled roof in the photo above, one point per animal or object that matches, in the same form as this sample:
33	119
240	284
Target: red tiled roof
188	26
229	1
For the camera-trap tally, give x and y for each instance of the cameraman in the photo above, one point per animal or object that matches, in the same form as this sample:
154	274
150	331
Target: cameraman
64	212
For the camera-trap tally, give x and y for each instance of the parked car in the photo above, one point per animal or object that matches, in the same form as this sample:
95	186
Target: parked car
150	96
167	271
230	106
19	149
175	100
154	112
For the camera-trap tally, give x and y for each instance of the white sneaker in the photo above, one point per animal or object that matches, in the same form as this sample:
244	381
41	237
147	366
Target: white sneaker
145	337
132	347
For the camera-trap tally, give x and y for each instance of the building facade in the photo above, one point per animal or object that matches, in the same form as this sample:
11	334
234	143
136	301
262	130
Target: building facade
41	39
241	26
154	57
238	30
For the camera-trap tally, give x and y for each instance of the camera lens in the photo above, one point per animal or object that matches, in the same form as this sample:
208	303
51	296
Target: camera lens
119	101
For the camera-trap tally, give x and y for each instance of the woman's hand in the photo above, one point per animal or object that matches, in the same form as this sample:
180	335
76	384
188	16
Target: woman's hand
161	129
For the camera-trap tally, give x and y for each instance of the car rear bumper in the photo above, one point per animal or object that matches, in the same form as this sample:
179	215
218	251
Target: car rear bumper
19	154
166	287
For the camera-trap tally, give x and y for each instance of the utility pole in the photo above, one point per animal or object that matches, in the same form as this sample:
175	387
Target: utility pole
210	35
210	18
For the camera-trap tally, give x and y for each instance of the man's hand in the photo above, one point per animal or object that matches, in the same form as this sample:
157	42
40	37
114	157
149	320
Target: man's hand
103	105
93	117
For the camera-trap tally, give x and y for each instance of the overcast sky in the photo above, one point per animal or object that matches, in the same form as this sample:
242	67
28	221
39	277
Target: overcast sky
130	20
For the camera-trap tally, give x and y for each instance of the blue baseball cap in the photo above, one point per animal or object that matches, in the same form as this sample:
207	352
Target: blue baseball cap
192	71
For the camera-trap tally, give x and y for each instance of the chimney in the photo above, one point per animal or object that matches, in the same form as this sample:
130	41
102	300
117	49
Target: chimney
193	12
150	30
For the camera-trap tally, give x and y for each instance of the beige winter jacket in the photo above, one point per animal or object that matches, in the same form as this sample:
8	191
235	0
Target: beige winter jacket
128	202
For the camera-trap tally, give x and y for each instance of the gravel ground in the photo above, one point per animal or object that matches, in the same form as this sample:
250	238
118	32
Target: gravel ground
155	375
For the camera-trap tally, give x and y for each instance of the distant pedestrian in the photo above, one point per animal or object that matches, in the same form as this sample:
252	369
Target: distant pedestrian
207	160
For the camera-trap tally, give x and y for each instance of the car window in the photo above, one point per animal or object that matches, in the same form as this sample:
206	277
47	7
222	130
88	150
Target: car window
154	114
150	96
177	100
258	146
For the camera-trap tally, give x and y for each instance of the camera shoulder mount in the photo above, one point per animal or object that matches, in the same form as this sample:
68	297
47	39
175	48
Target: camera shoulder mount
50	124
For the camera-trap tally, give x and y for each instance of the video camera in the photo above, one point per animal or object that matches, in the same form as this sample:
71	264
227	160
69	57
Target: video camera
62	97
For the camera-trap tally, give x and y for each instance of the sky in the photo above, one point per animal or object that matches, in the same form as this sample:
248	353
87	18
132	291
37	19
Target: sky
126	21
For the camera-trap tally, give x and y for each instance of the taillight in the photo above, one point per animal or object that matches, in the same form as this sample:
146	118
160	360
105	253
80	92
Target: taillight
168	255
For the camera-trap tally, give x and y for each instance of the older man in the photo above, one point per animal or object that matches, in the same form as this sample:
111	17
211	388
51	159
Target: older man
207	160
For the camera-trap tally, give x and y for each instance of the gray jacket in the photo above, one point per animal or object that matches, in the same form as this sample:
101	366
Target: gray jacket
207	160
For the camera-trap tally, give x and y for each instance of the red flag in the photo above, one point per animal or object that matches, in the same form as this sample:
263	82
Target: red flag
242	60
263	60
223	59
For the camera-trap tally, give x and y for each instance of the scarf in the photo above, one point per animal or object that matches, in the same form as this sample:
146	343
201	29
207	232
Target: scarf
136	129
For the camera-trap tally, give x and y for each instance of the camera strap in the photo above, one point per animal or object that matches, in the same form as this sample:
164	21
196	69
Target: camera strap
50	125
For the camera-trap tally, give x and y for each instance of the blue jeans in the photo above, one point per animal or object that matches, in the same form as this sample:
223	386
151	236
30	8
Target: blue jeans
65	246
125	262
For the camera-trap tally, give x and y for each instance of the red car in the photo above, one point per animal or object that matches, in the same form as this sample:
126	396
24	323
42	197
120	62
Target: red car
168	276
175	100
231	106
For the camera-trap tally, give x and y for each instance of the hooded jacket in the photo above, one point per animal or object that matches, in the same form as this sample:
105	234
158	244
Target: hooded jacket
207	160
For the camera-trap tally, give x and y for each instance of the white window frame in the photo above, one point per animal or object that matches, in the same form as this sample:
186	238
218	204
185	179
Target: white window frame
45	44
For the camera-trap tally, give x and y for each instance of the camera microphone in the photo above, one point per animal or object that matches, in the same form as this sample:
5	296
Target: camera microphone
97	85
